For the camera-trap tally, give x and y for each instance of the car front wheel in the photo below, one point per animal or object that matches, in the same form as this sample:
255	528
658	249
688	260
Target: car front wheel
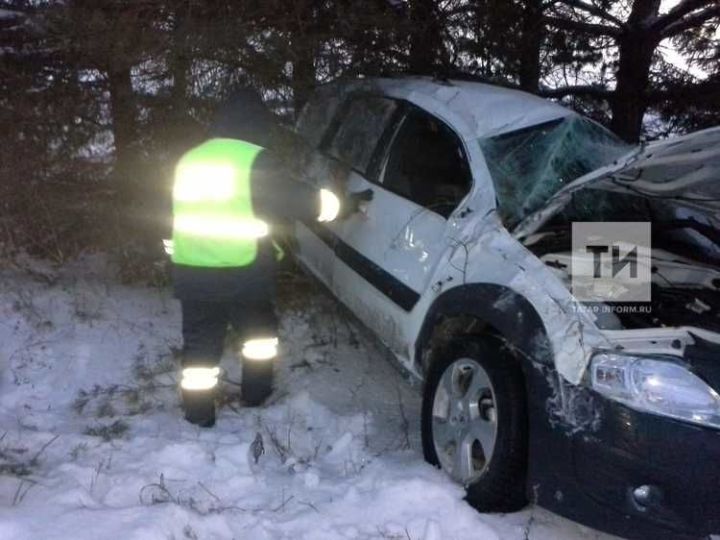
474	423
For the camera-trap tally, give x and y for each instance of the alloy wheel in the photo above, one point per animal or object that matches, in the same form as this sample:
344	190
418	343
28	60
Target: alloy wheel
464	420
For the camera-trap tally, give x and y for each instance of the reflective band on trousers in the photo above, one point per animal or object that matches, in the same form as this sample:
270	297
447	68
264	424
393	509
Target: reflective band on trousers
220	227
260	349
199	378
329	206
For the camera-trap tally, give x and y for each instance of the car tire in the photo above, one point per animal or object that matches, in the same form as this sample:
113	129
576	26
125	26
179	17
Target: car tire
257	381
495	391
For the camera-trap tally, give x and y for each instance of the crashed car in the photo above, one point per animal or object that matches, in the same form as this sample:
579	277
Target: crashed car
606	412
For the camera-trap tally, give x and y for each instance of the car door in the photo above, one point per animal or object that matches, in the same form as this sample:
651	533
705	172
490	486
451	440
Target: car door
386	256
315	244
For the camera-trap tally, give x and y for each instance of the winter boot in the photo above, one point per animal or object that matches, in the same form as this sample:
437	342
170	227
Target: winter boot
199	406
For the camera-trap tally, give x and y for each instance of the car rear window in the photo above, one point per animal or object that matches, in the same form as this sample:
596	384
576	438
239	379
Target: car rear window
530	165
363	122
318	113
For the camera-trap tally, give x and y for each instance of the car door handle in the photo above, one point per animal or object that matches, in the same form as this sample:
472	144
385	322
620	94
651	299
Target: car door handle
357	201
364	196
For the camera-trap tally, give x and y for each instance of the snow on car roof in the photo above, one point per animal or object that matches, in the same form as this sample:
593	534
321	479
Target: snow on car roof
489	110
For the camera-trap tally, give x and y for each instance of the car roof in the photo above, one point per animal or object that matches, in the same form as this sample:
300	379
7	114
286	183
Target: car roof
487	109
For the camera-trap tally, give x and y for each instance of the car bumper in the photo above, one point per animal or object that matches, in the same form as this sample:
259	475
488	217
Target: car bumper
589	474
680	462
588	454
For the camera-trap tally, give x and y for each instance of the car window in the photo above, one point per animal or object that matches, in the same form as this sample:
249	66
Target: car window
427	164
530	165
318	113
363	121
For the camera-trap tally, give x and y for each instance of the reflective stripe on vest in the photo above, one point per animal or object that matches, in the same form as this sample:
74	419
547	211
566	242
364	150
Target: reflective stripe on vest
213	220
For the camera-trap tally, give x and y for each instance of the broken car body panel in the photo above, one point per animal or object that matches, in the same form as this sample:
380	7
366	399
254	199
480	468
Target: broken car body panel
678	178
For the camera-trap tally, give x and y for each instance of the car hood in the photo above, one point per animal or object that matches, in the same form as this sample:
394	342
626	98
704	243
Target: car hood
675	186
686	167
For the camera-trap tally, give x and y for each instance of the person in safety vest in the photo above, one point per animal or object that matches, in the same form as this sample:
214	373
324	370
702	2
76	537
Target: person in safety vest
228	195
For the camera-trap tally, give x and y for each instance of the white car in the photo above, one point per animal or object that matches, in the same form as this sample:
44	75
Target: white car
604	411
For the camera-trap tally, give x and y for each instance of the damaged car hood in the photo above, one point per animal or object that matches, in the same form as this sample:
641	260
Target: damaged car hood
673	185
686	167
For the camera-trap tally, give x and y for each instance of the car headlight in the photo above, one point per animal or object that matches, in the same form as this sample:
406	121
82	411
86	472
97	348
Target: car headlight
655	386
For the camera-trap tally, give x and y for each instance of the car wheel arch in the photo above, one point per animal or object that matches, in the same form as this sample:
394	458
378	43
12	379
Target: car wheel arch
485	309
496	312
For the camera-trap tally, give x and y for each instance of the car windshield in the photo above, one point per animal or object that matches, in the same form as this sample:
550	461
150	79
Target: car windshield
530	165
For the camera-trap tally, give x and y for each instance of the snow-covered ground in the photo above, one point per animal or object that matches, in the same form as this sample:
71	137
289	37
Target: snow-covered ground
92	443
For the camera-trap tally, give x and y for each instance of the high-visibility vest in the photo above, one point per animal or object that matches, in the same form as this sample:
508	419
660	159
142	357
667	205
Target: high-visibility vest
213	220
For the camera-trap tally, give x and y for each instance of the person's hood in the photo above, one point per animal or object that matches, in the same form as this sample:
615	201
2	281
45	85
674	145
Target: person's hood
245	117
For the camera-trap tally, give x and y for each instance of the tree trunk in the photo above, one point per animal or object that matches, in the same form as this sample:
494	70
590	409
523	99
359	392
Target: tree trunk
426	45
307	23
532	37
178	134
636	48
123	119
303	73
629	101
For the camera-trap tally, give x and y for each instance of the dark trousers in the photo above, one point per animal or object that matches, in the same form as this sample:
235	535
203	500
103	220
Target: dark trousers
205	324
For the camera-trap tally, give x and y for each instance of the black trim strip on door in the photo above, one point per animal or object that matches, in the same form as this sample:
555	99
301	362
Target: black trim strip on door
378	277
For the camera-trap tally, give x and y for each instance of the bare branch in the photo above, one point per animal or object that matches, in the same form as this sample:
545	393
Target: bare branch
44	447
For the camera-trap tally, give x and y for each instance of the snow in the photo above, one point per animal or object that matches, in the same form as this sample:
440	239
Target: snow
9	14
92	442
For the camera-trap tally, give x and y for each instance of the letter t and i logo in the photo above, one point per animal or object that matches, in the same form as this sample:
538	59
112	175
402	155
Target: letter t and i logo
611	261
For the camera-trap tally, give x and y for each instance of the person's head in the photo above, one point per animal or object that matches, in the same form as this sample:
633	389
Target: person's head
245	117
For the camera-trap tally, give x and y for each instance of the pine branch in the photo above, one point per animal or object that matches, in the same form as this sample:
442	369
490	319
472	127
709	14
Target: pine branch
679	11
578	90
592	29
699	93
688	93
593	10
691	21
